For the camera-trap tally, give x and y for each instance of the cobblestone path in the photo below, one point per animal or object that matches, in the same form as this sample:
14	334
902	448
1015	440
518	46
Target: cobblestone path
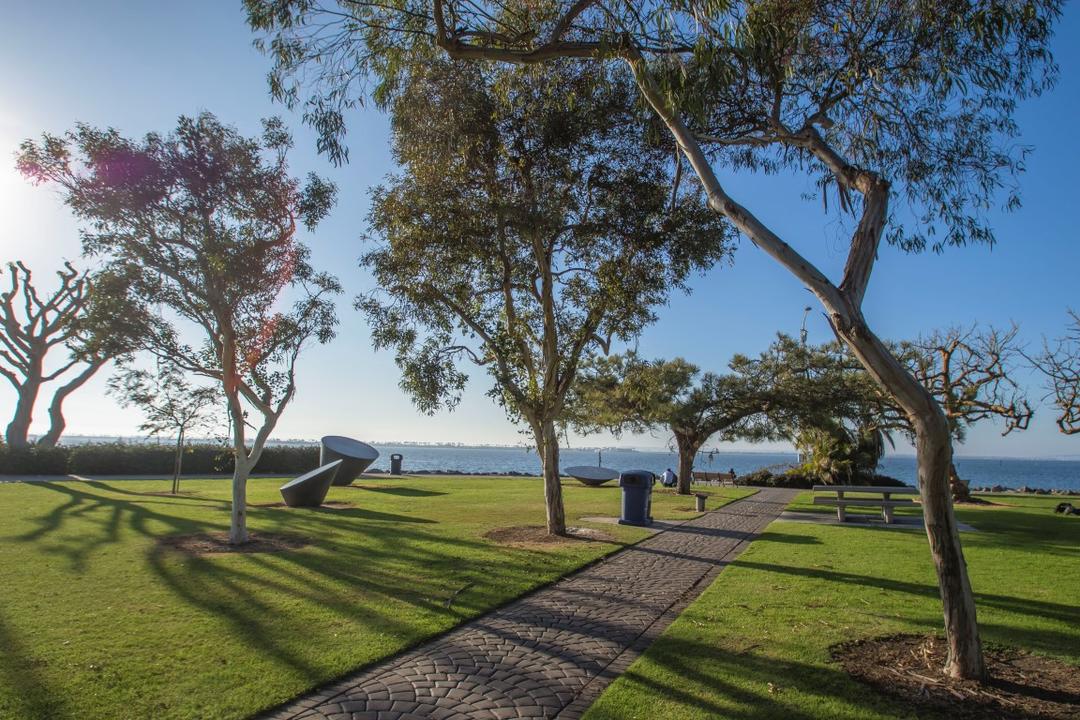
551	653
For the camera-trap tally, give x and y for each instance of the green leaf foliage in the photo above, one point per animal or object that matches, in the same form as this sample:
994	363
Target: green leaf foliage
533	221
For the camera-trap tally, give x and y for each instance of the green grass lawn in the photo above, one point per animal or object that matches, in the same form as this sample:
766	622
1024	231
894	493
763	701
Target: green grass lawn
756	644
98	621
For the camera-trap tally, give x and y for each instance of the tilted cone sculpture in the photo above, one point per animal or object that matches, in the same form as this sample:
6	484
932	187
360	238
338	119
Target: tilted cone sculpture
356	457
309	490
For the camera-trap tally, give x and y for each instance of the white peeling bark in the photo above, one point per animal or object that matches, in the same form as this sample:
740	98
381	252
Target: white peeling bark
933	441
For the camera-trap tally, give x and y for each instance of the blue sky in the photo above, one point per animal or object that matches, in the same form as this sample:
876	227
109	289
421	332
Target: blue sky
137	66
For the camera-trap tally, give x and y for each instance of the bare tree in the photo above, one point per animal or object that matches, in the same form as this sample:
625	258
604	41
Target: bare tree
1060	363
969	372
168	404
35	326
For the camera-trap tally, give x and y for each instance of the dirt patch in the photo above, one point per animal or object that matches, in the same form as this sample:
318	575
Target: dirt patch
1022	686
973	501
213	543
537	536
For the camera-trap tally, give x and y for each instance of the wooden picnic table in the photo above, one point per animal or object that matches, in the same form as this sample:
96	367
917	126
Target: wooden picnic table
886	501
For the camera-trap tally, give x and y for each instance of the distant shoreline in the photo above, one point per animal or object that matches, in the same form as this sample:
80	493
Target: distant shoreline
296	442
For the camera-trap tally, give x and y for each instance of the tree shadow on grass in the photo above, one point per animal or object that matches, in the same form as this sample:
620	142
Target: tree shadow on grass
356	513
1048	641
29	692
108	515
1037	532
401	491
265	599
382	575
711	681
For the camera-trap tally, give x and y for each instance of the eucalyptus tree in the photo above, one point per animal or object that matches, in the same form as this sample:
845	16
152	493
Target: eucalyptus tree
73	319
527	227
1059	362
626	393
169	403
202	224
902	112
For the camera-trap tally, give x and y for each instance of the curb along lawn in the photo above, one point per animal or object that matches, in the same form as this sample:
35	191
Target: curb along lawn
756	644
99	621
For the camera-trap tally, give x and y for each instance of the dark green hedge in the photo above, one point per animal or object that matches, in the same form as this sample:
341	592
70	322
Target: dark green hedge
130	459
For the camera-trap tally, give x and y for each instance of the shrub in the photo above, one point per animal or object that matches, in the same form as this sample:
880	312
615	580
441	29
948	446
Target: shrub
33	460
796	478
147	459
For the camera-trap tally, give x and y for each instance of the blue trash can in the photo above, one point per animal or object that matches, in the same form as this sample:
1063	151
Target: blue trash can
636	497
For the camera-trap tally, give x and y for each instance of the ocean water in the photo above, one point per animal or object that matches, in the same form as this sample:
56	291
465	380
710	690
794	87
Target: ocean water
978	471
1008	472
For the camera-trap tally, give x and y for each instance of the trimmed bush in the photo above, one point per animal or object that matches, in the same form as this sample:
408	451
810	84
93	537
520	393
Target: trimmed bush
33	460
795	479
146	459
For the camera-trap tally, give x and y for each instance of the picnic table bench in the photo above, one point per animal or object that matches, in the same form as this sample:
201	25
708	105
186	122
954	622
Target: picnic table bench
712	478
836	496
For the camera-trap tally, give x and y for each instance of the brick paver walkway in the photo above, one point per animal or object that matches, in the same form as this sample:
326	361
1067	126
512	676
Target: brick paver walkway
551	653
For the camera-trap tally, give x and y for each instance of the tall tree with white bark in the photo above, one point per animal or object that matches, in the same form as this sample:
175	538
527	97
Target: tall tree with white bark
902	111
202	223
36	326
526	229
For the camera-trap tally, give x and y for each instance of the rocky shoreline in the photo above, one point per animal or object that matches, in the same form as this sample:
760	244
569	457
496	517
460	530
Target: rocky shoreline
1022	490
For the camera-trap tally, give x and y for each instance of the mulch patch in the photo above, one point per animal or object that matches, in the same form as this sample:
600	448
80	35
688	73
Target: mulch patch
213	543
909	667
537	535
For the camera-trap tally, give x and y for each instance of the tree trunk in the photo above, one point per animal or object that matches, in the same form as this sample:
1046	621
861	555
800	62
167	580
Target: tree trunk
961	492
547	444
933	441
933	447
18	430
178	462
238	533
56	407
687	452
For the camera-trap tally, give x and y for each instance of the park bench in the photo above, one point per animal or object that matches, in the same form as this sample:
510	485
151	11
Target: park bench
711	478
836	495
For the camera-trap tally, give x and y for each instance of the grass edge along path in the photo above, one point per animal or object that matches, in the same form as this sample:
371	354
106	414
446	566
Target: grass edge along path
755	645
98	620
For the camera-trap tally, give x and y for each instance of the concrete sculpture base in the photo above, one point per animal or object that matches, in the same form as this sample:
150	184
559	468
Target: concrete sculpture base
355	457
309	490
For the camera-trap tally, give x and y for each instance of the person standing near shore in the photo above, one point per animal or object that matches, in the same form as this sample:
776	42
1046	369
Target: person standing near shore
669	478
